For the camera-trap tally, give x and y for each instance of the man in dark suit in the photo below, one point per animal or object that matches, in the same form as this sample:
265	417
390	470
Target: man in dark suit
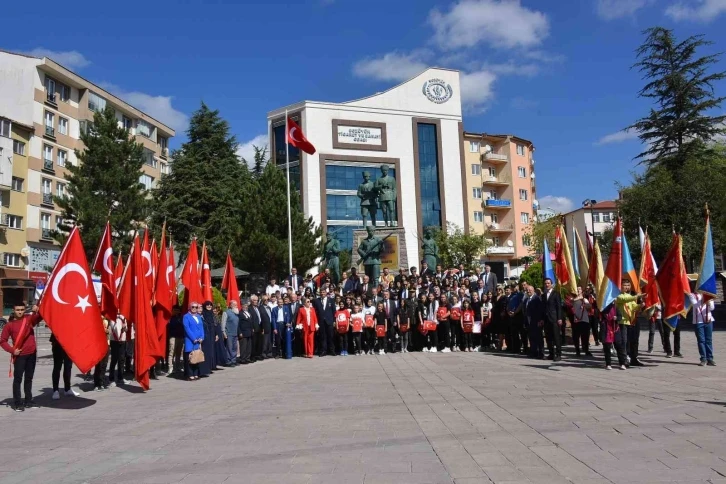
296	281
294	305
490	280
266	327
365	288
352	283
244	333
533	316
401	277
552	319
257	336
426	270
391	308
325	311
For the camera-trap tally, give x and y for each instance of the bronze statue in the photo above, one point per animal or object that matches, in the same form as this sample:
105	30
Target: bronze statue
367	195
385	188
330	254
430	249
370	250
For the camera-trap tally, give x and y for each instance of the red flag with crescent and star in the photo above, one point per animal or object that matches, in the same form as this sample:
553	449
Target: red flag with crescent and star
296	137
190	277
103	264
154	263
206	275
229	282
163	295
148	265
172	276
134	303
70	309
117	275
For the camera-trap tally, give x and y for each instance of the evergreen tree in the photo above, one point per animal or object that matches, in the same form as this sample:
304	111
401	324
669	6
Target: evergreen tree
207	193
457	247
260	160
263	246
104	185
682	88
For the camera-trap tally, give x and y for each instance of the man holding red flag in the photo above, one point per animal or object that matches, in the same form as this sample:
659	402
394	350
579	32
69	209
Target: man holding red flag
23	353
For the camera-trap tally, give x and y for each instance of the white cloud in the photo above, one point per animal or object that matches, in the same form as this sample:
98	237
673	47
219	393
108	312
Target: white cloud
501	23
618	137
247	150
71	59
393	66
543	56
612	9
512	68
158	107
698	10
477	90
558	204
523	103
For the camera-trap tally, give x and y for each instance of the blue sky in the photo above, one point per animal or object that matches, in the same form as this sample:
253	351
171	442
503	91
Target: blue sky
554	72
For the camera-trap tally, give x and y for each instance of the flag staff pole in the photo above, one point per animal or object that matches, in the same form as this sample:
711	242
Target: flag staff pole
287	172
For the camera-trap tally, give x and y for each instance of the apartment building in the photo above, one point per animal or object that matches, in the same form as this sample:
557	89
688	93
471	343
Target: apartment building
46	107
593	218
500	197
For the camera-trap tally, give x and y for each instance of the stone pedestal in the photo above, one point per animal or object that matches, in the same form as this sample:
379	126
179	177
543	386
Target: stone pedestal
394	248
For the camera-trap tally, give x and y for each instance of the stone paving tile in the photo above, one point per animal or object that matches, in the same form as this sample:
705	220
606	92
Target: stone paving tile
458	418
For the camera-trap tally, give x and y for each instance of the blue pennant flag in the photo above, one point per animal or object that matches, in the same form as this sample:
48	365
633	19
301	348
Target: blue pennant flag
706	284
549	271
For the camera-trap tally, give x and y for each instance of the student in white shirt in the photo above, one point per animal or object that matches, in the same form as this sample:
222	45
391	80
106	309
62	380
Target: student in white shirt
703	322
272	288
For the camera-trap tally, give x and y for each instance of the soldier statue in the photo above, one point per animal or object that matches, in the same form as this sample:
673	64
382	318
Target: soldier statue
370	250
430	249
330	254
367	195
385	188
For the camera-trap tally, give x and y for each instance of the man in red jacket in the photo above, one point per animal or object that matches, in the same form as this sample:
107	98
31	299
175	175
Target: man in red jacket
23	352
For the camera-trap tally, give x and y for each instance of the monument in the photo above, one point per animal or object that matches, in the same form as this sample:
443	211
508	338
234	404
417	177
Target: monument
330	254
430	249
370	250
385	189
368	203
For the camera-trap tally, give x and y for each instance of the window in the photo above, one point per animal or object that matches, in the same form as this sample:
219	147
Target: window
520	150
474	147
50	87
62	125
17	184
476	193
11	260
58	221
96	102
492	172
62	157
49	120
495	241
522	194
143	128
45	221
598	235
5	128
64	91
60	189
596	217
522	172
147	181
524	218
163	144
606	217
495	218
149	158
343	207
18	147
47	186
526	240
126	122
48	153
493	195
15	222
429	176
478	217
476	169
165	169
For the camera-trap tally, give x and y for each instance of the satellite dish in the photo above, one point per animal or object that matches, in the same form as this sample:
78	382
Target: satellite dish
510	243
487	149
25	251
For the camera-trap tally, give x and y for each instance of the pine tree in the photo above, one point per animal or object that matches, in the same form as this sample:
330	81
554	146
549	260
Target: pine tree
104	185
682	88
204	194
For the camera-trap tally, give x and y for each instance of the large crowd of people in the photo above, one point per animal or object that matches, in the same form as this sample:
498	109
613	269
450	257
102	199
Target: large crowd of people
432	311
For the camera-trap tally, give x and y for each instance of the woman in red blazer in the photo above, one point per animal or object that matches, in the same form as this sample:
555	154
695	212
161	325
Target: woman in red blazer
307	321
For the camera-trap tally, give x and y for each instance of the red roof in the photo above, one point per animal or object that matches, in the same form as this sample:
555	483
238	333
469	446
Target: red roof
606	204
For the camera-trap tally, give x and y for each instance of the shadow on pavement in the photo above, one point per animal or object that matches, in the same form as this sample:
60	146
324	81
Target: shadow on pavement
65	403
723	404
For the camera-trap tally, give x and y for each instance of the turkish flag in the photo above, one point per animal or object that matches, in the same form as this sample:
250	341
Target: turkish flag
163	296
147	264
117	275
296	138
229	282
103	264
190	277
70	309
206	275
154	262
135	304
561	272
172	276
648	275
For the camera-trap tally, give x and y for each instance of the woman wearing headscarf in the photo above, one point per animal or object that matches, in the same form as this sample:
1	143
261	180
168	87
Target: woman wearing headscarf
221	355
209	363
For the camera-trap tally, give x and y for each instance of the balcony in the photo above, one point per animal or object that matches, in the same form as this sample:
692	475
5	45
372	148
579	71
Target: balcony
46	234
500	228
48	166
531	161
51	98
497	204
494	181
499	250
495	158
47	199
49	132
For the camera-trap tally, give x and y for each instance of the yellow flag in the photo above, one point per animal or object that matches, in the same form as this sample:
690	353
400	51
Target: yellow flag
570	284
584	264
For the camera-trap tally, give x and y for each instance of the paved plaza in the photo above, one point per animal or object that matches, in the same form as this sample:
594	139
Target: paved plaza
416	418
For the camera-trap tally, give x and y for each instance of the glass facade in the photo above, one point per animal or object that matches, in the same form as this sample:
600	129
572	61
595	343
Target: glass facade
344	233
343	207
339	177
428	156
280	155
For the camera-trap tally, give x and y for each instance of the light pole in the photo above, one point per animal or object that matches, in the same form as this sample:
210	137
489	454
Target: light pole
589	203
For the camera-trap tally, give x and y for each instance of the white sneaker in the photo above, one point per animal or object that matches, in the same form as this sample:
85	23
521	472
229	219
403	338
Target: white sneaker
425	350
446	350
477	348
112	384
622	367
72	393
434	350
56	395
124	382
627	358
608	367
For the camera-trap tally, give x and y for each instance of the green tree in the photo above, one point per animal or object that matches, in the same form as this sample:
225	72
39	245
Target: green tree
104	185
533	275
209	193
682	88
260	160
458	247
539	231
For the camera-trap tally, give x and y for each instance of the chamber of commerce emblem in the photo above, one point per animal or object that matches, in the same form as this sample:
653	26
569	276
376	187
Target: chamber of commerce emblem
437	91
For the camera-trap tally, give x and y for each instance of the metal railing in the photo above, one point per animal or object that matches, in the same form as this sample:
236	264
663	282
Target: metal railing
50	131
48	164
46	234
48	198
498	203
51	96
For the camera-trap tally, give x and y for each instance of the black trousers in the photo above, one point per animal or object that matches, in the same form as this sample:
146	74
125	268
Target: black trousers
515	332
326	338
595	329
256	350
536	341
445	330
343	341
118	355
369	335
266	342
621	343
607	349
24	366
676	339
633	341
431	339
467	340
356	342
99	372
297	343
456	338
657	325
554	338
245	349
60	359
392	336
581	336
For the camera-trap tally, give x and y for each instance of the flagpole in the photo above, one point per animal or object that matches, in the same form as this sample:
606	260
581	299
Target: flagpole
289	216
